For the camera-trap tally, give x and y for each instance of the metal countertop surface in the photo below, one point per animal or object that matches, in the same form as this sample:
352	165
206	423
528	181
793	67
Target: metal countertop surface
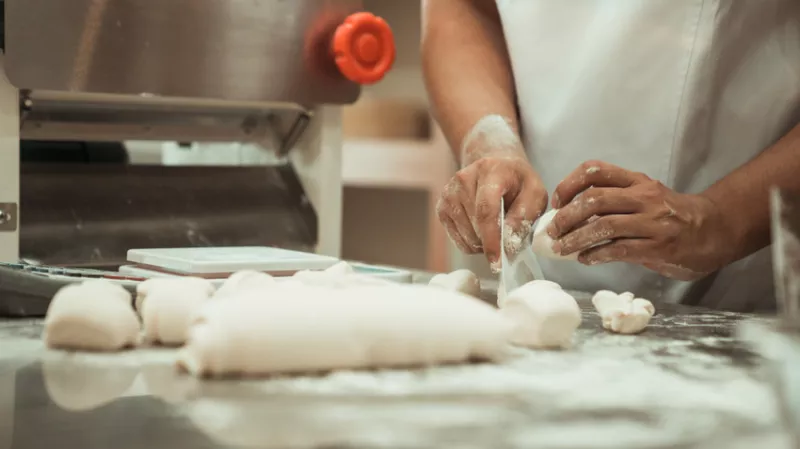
685	382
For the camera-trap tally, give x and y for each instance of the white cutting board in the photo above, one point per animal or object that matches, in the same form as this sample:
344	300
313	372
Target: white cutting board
229	259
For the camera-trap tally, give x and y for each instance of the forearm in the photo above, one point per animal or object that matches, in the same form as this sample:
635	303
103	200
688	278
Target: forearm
466	69
743	196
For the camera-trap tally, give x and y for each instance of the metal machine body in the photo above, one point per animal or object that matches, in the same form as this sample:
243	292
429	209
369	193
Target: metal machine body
263	72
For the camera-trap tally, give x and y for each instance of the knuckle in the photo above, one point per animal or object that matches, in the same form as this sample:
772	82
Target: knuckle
595	198
607	227
462	176
592	165
620	250
560	220
483	211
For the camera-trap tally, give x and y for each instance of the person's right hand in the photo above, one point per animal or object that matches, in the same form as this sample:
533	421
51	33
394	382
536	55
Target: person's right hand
469	207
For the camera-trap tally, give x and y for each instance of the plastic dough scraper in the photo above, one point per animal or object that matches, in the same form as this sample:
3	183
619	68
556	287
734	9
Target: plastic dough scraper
520	268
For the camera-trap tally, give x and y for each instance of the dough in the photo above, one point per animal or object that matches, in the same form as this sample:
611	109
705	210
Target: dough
337	279
245	280
311	329
622	313
463	281
502	295
342	268
95	315
542	243
168	305
544	315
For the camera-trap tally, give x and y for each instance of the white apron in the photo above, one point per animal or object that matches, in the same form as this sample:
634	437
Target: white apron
682	90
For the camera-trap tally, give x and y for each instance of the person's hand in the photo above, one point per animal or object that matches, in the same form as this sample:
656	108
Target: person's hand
609	214
469	207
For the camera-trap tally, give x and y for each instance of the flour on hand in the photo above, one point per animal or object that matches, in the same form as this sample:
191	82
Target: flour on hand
463	281
312	329
622	313
95	315
544	315
167	306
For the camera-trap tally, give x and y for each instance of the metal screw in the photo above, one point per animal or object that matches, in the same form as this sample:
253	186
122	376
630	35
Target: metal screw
5	217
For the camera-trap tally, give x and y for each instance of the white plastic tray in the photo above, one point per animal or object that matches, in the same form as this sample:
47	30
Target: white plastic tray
400	276
229	259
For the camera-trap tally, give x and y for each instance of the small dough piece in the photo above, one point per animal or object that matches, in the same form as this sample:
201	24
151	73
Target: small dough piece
622	313
542	244
463	281
342	268
168	306
544	315
245	280
95	315
312	329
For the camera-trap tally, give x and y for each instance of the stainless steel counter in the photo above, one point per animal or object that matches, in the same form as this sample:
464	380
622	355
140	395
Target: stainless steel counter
684	383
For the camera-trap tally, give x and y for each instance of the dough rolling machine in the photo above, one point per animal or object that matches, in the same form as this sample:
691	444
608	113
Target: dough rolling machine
268	72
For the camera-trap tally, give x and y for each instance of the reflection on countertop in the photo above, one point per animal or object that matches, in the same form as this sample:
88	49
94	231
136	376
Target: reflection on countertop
685	382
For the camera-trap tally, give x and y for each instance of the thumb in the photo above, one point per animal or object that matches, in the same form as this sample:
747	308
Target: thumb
523	211
487	213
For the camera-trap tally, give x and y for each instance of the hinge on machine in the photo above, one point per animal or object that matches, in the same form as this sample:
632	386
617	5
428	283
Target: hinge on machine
8	217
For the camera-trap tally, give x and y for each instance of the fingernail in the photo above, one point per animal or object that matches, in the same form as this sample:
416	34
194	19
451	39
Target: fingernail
552	231
495	265
555	202
557	247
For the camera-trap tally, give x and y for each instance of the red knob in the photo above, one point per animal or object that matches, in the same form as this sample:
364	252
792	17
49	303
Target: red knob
363	47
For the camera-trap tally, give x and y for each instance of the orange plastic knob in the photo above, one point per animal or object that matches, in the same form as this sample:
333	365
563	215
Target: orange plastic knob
363	48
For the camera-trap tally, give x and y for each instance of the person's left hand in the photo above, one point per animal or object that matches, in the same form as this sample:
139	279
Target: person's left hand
641	221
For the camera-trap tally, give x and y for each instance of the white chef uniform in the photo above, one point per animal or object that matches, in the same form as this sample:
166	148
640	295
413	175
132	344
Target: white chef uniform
682	90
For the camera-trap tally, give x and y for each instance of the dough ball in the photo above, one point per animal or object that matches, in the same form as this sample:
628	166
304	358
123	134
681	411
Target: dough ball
542	244
312	329
144	288
245	280
168	305
502	296
544	315
341	268
94	315
463	281
622	313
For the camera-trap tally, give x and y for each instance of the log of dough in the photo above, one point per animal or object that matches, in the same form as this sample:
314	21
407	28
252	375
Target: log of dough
94	315
312	329
623	313
337	279
463	281
244	280
168	305
544	315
